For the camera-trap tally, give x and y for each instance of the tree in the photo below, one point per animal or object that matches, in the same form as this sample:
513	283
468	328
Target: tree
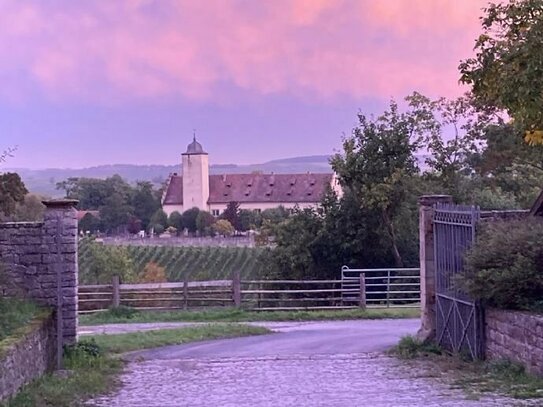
115	213
249	219
189	219
159	221
452	132
275	215
12	192
223	227
134	225
176	220
231	214
376	163
204	222
506	72
145	202
30	209
89	223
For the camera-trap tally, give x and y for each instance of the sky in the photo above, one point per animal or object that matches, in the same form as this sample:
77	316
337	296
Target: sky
94	82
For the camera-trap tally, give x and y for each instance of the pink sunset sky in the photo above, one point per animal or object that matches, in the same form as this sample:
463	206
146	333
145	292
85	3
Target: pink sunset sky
99	82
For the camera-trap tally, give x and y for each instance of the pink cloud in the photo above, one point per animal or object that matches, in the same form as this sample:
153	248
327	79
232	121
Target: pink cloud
324	49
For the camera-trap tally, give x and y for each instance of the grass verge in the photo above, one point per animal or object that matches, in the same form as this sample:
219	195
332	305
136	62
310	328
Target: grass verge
151	339
475	378
127	315
93	365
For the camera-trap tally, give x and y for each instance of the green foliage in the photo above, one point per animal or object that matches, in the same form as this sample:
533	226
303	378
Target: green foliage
189	219
14	313
376	162
231	214
176	220
12	192
195	263
83	349
159	221
204	223
410	347
504	266
104	262
274	216
122	312
89	223
506	70
146	203
223	228
249	220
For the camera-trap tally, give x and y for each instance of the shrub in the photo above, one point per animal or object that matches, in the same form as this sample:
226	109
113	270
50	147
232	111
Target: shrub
504	268
153	273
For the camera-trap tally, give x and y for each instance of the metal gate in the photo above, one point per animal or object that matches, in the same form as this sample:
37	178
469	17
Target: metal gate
459	325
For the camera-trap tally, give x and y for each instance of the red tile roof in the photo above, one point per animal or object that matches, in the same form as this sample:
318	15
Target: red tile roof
288	188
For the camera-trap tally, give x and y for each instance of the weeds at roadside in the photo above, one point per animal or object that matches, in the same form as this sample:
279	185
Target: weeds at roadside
475	378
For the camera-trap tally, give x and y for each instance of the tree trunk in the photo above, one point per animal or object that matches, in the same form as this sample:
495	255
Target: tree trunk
392	233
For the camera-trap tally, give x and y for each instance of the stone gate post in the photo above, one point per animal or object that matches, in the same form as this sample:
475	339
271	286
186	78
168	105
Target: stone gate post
60	227
427	266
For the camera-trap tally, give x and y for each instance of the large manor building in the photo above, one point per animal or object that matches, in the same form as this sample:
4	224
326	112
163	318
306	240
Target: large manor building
196	188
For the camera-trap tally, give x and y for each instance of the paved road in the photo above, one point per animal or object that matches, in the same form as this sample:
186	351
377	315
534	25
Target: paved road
303	364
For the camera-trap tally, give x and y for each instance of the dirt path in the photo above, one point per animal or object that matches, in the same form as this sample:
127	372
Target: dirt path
304	364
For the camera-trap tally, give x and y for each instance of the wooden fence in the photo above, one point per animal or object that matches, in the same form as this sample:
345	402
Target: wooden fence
367	291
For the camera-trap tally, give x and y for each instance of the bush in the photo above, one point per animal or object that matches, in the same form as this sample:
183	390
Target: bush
504	268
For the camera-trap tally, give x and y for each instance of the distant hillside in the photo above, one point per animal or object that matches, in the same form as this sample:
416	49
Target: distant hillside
44	181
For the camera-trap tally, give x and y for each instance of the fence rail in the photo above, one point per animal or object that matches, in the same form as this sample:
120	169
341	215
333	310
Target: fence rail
358	288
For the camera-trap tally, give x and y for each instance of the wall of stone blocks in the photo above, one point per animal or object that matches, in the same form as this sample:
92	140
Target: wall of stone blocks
517	336
26	359
39	259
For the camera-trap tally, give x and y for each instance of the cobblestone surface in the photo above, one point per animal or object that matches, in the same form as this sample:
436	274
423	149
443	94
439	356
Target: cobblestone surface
361	379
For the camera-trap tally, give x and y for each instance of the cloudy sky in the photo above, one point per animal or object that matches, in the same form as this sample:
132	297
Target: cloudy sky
98	81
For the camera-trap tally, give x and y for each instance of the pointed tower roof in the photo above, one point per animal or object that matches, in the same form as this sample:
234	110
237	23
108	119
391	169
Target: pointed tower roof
195	147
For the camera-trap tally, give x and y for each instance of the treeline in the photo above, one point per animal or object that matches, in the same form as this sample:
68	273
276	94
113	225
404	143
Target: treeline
114	206
471	154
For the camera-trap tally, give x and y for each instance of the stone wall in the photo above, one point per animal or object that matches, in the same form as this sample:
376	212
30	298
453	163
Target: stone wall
517	336
39	259
27	358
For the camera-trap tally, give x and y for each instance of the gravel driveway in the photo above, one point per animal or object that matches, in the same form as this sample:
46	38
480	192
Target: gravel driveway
303	364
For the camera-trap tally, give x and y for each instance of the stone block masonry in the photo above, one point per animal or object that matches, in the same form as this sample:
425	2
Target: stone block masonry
517	336
39	261
27	355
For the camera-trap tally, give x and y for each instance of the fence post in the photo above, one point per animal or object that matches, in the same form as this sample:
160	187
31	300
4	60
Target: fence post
362	299
236	288
186	292
388	288
116	285
427	266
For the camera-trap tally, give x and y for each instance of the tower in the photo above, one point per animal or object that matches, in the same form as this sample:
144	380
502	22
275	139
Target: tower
195	177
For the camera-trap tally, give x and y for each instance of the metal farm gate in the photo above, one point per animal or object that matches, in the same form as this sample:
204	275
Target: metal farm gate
460	323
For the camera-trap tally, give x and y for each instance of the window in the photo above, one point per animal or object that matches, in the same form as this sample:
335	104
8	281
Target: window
215	212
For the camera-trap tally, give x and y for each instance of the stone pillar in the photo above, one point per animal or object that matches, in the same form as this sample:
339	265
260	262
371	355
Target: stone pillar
60	224
427	267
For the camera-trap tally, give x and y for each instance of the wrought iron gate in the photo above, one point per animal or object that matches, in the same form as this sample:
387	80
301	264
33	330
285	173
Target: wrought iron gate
459	325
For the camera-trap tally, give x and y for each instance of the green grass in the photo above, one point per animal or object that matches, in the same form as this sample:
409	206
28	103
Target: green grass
238	315
475	378
151	339
14	314
94	367
88	377
196	263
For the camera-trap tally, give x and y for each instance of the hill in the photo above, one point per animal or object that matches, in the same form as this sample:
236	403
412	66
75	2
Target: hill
44	181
